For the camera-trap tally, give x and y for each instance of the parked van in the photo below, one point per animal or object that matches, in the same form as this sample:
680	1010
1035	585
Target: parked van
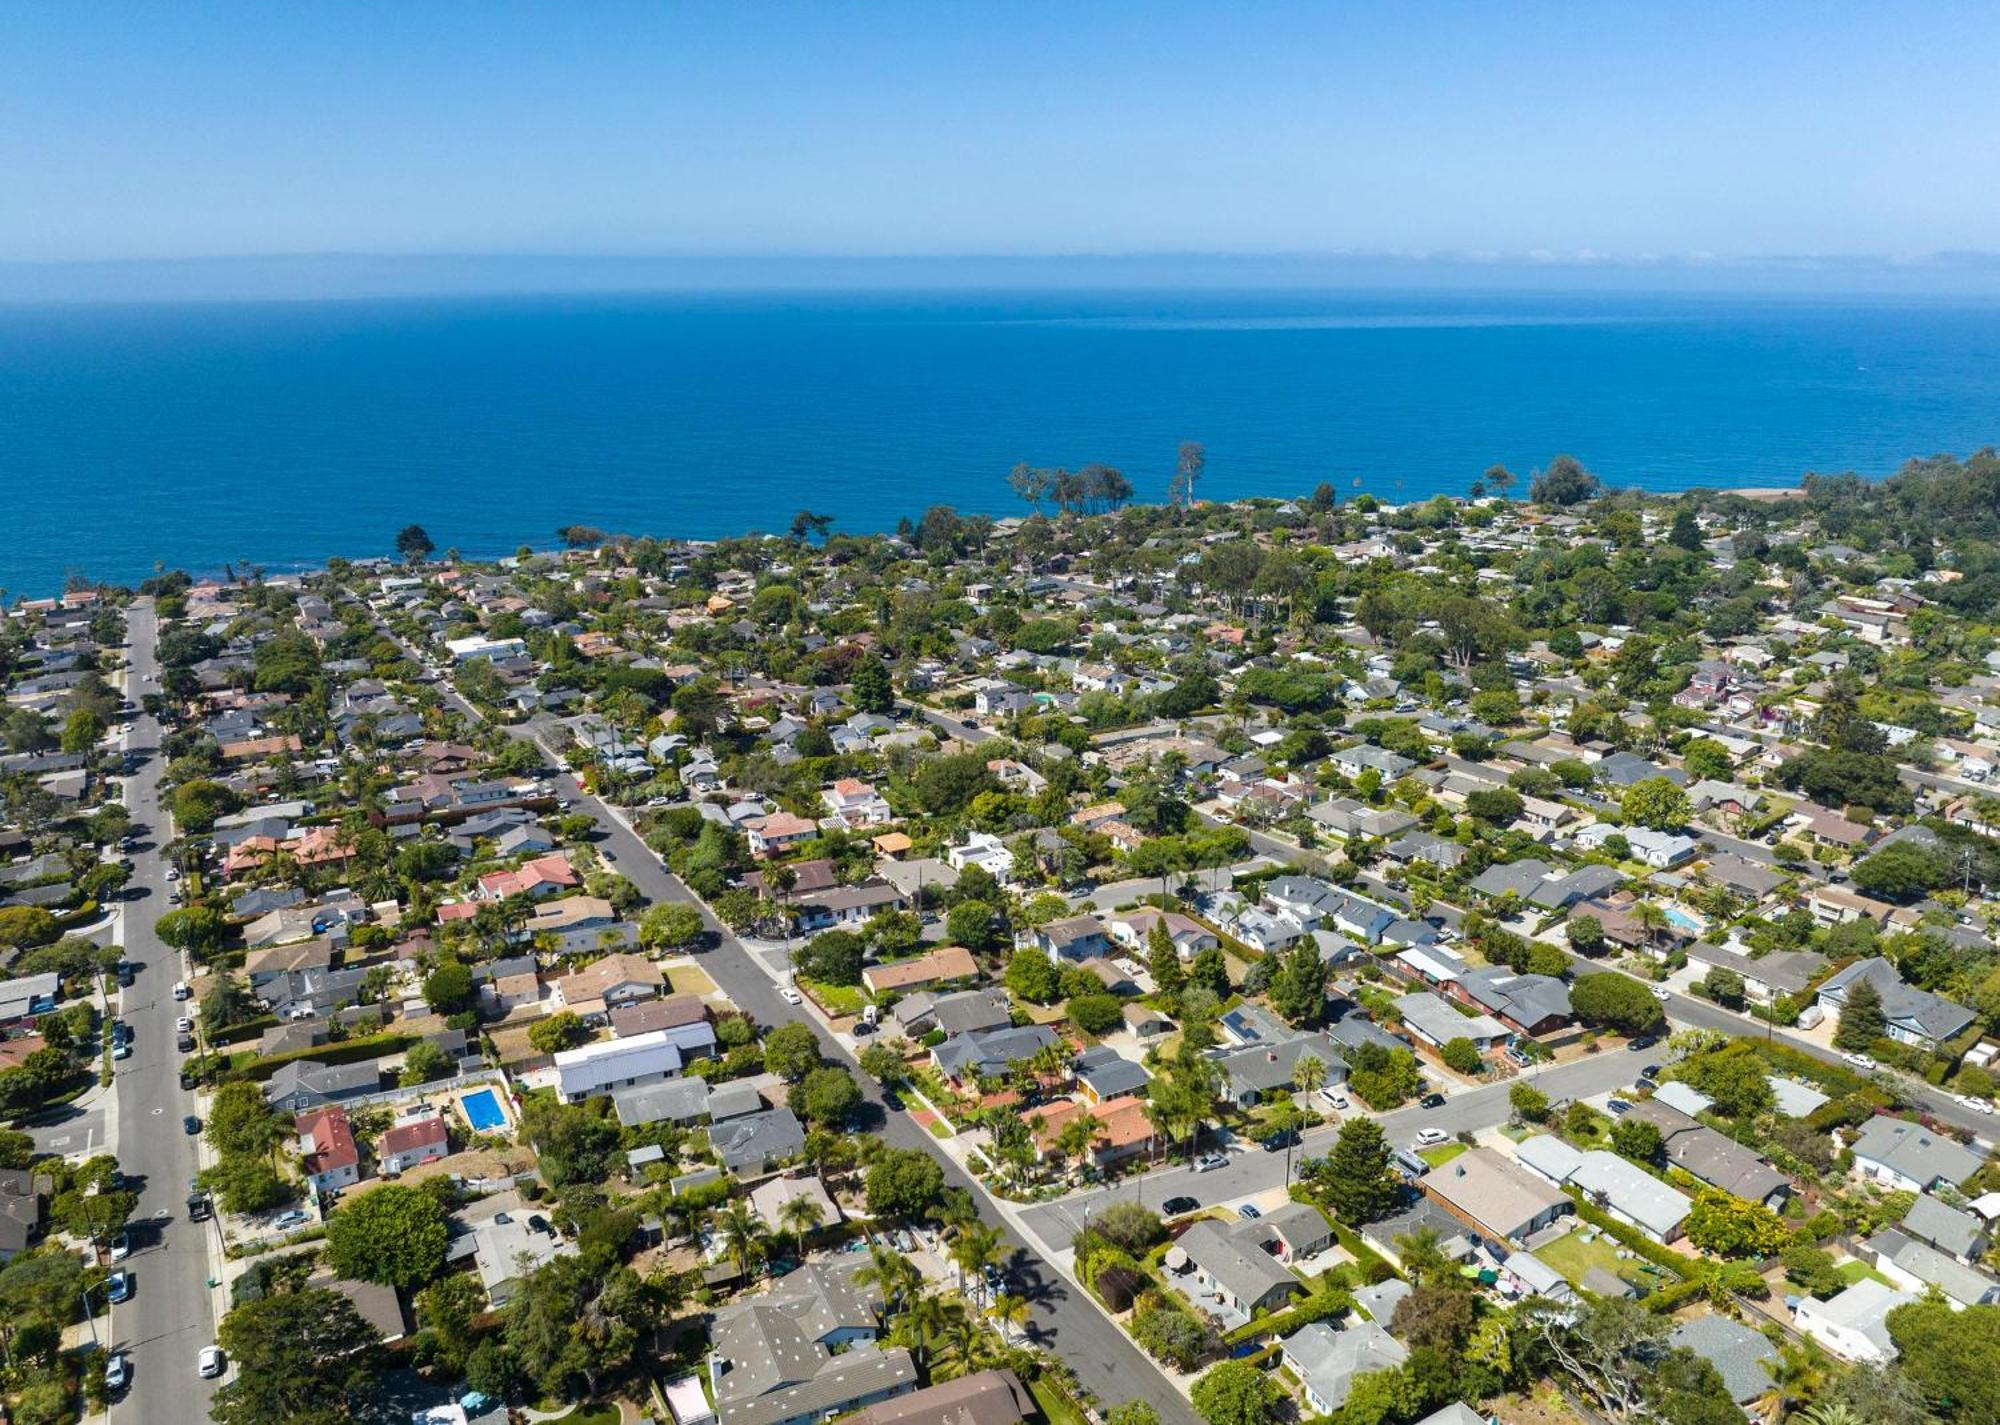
181	990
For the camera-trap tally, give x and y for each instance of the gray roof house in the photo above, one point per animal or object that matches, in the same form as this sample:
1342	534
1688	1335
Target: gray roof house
1326	1361
1915	1016
1951	1230
756	1143
1251	1072
1224	1273
989	1052
1917	1266
1714	1158
801	1352
1740	1355
1909	1155
1527	1004
1625	1190
301	1084
682	1101
1105	1074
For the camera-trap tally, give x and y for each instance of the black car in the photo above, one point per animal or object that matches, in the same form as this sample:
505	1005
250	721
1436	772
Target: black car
1650	1072
1175	1206
1281	1140
1431	1100
1645	1041
190	1125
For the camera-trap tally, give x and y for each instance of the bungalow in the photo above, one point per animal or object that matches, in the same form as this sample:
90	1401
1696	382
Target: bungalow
646	1015
803	1351
603	984
1434	1023
1908	1155
847	907
21	1194
610	1064
1781	972
989	1397
1526	1004
328	1156
1226	1276
1830	905
1103	1074
423	1139
1325	1361
1918	1266
1953	1231
1292	1232
682	1102
1853	1325
966	1057
1134	931
1252	1073
1711	1157
1914	1016
1661	850
943	965
543	876
1743	1357
1346	818
1351	762
1498	1199
756	1144
1623	1189
302	1084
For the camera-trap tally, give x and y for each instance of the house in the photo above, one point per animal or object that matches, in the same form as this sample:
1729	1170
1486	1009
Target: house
612	1064
1434	1023
682	1101
1914	1016
1351	762
1780	972
1712	1157
1908	1155
417	1140
1625	1190
1103	1074
21	1194
990	1397
755	1144
611	981
647	1015
1953	1231
328	1157
803	1351
769	1198
1527	1004
1075	938
1225	1276
1662	850
1917	1266
847	907
1258	1070
772	834
856	804
1292	1232
1134	931
1121	1130
986	851
1853	1325
935	967
964	1058
572	915
543	876
302	1085
1830	905
1499	1199
1741	1356
505	1240
1326	1361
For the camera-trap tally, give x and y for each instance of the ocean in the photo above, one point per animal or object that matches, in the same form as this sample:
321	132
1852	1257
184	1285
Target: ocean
280	433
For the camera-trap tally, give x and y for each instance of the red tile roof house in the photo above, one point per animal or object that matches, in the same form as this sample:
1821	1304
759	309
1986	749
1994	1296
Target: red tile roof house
328	1155
421	1140
771	834
545	875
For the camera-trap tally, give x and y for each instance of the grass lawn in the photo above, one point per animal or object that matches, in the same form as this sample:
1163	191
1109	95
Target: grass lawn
1055	1409
591	1414
1573	1256
1444	1152
690	980
838	1000
1856	1271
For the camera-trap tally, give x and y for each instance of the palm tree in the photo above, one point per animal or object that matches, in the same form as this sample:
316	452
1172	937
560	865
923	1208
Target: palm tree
1832	1412
1793	1374
897	1277
1010	1312
799	1216
974	1249
1078	1137
1308	1073
922	1322
742	1235
1424	1260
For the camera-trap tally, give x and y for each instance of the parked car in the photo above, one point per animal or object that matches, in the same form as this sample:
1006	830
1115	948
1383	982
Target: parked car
791	996
181	990
1859	1061
115	1375
1281	1140
1662	993
1431	1100
121	1246
1650	1072
1333	1098
1645	1041
1209	1162
118	1287
286	1221
211	1362
1617	1107
1177	1206
1977	1105
190	1125
1517	1056
1249	1210
1431	1137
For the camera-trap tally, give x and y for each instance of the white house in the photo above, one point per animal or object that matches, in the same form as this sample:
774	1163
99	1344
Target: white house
618	1063
986	851
1854	1324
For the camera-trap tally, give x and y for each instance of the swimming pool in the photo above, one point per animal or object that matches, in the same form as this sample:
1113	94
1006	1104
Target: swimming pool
1684	920
482	1110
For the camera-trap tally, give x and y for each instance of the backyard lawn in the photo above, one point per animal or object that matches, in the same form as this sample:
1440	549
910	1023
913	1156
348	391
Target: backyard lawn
837	1000
690	980
1444	1152
1573	1256
1857	1271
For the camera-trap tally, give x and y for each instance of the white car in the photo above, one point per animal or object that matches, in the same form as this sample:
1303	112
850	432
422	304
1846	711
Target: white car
1209	1162
1977	1105
1662	993
181	990
173	873
1431	1137
183	1025
1859	1061
114	1371
210	1363
791	996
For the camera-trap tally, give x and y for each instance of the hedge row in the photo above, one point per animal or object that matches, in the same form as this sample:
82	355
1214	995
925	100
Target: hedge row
348	1051
1317	1307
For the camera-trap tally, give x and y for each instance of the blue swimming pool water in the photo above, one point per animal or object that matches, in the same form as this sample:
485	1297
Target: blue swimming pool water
482	1111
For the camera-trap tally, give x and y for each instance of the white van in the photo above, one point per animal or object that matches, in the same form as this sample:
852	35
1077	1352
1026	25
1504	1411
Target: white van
1431	1137
181	990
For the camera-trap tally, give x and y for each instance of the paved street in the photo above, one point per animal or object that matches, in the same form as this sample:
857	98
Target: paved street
170	1317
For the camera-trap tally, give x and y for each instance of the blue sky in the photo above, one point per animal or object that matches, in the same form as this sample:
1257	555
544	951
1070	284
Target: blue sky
139	131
